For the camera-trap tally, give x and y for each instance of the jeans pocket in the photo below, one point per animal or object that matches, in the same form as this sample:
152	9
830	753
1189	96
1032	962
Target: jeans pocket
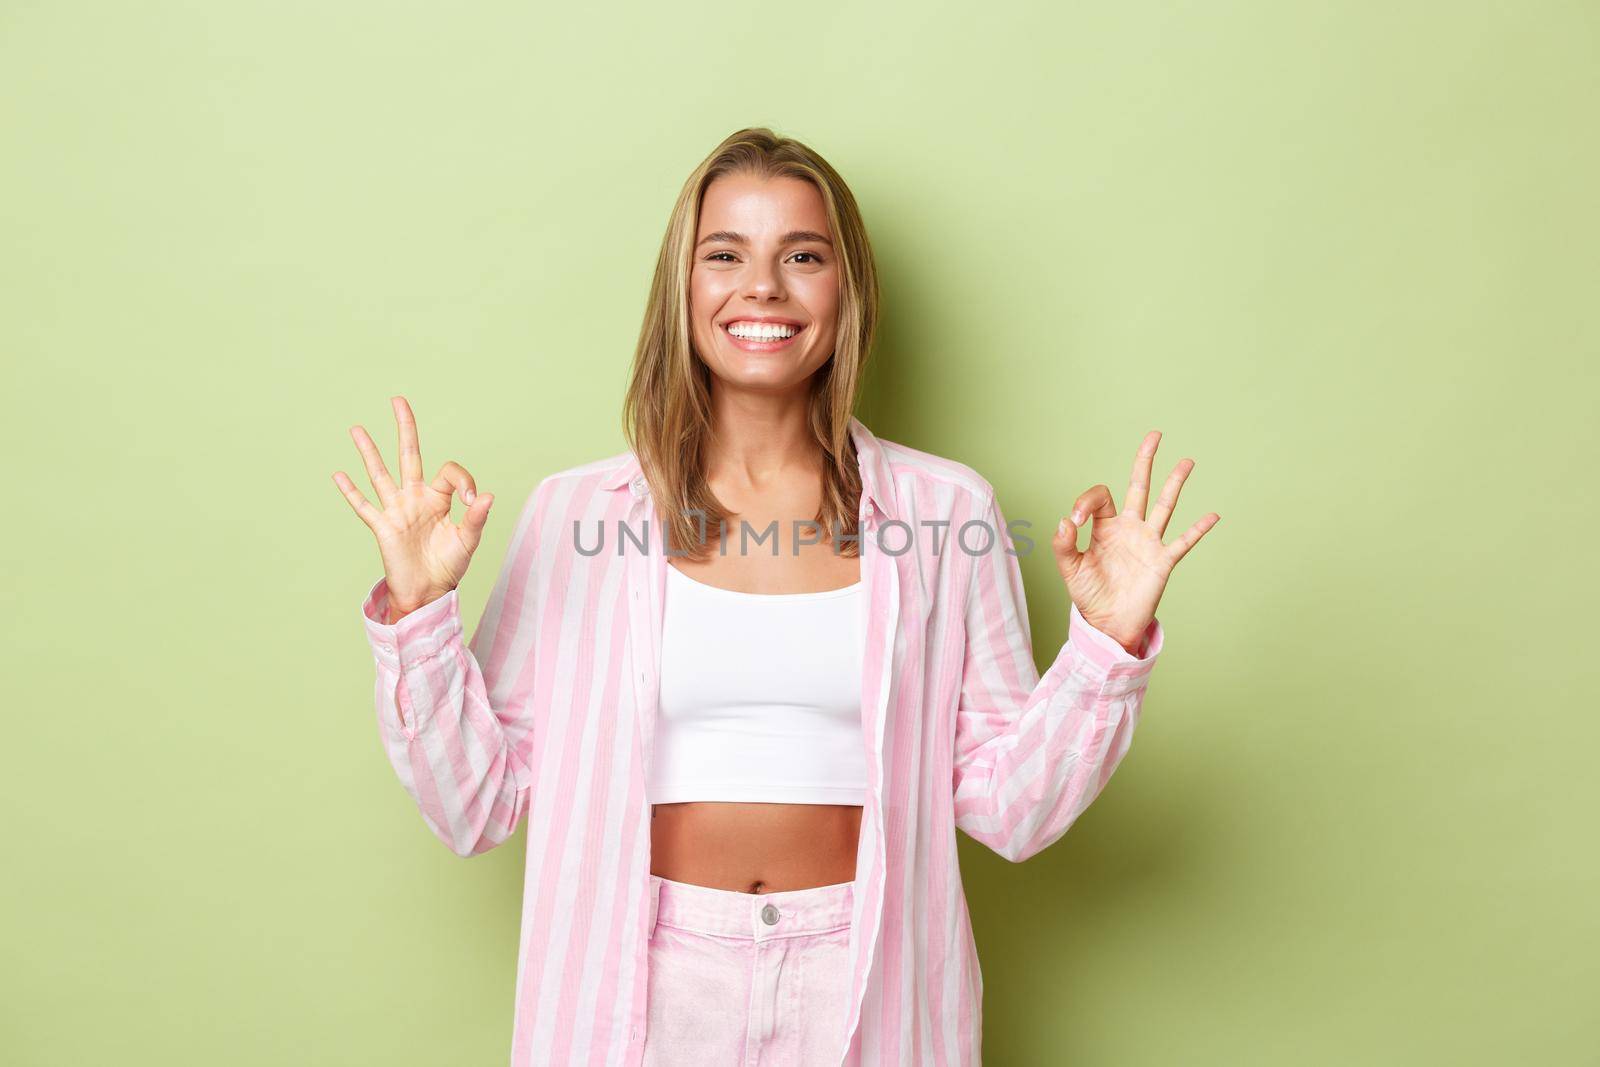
697	997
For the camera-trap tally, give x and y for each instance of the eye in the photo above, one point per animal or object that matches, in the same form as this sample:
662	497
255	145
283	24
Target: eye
814	257
714	255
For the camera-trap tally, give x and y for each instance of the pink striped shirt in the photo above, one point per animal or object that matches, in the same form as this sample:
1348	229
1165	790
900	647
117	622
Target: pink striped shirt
548	712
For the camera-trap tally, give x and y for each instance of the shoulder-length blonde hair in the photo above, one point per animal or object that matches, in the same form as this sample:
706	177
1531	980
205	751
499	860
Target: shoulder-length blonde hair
666	414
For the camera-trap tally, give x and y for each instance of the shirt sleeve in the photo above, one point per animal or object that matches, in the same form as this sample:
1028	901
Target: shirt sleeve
458	718
1032	752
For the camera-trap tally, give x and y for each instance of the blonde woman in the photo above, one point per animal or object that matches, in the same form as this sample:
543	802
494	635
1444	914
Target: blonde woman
746	679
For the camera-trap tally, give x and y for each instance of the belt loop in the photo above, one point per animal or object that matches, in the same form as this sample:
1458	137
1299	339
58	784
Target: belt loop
655	905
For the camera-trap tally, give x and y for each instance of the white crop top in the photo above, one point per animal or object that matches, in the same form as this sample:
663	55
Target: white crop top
760	696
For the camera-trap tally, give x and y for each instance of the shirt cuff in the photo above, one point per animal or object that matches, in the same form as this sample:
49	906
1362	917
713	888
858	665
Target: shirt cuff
1107	653
413	637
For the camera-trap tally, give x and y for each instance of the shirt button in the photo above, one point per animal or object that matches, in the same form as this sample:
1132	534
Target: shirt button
387	648
769	915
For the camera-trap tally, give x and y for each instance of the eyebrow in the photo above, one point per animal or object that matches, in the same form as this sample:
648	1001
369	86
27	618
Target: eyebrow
789	238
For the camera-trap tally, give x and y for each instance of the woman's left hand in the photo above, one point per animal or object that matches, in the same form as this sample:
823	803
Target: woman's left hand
1118	580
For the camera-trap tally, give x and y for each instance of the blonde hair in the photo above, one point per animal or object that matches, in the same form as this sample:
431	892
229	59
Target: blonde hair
666	414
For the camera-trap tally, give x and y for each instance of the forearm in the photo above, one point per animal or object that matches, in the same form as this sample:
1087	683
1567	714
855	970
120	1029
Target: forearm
1023	777
449	748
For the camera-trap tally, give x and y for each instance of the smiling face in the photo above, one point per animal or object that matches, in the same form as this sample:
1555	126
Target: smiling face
764	288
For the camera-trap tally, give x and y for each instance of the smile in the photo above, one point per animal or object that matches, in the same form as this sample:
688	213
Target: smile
761	336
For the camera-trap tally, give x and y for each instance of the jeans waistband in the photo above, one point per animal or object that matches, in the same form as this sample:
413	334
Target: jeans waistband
751	916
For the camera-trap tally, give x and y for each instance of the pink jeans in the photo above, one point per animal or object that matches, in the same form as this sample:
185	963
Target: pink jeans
746	979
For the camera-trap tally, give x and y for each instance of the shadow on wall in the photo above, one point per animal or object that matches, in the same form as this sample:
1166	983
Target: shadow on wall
1152	837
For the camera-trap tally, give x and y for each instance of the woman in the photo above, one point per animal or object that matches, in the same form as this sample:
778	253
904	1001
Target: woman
746	679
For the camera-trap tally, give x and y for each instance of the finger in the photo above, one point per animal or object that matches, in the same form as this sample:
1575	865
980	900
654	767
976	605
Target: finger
1139	483
1191	537
472	523
453	478
410	449
372	459
1169	495
1096	503
363	507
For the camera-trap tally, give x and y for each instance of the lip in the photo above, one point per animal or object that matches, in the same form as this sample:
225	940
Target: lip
762	346
779	319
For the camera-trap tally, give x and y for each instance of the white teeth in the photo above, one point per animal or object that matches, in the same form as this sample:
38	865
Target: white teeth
752	331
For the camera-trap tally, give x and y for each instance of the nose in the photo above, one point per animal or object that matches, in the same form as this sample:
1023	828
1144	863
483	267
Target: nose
763	281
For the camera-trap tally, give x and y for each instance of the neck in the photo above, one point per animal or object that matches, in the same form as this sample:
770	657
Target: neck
760	438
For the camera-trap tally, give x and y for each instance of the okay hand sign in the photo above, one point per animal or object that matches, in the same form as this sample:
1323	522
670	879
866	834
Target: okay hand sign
1118	580
425	555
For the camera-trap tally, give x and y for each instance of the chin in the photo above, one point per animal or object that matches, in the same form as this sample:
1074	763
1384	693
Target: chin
758	377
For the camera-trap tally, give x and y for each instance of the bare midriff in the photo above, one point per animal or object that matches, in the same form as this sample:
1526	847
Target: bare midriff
754	848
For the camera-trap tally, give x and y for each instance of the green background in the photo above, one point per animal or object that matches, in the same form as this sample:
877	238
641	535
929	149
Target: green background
1339	253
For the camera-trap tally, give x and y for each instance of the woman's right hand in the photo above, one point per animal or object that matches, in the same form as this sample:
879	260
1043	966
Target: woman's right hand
424	554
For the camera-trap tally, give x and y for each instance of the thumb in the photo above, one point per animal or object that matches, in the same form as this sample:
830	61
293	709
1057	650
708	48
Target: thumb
473	522
1065	543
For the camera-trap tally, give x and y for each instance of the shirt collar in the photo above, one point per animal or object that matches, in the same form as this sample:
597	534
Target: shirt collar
877	478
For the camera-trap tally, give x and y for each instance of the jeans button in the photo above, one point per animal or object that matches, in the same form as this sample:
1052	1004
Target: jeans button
769	915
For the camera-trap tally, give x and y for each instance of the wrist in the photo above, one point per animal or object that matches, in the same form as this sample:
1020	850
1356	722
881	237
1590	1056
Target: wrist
1132	644
397	610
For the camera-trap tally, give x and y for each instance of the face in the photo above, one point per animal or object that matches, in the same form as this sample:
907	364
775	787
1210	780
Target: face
764	289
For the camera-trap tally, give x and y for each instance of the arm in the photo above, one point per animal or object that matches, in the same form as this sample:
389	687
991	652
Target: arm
457	718
1032	752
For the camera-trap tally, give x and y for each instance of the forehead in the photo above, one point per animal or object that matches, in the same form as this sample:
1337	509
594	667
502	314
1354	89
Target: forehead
761	207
